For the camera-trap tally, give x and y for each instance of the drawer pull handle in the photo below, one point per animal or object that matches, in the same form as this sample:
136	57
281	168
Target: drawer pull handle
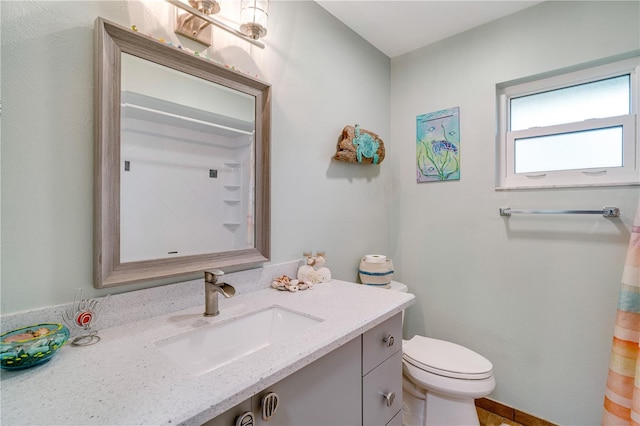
388	340
269	405
247	419
389	398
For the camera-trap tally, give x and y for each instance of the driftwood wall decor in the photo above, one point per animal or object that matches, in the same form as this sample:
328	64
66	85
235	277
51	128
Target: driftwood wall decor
359	146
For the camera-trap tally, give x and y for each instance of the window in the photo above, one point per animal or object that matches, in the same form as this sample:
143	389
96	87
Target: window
573	129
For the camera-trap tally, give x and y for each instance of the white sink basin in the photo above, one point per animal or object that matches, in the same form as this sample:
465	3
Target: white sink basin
205	349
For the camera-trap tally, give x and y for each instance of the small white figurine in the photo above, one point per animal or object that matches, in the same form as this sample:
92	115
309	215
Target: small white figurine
309	272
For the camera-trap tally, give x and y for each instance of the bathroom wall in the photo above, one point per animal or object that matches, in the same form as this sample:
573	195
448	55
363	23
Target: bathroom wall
535	294
323	75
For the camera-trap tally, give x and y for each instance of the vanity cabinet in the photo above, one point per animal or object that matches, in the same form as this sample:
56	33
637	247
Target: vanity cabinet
382	374
326	392
359	383
229	417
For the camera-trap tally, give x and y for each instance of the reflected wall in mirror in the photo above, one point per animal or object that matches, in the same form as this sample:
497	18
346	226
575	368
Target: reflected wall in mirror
182	162
186	164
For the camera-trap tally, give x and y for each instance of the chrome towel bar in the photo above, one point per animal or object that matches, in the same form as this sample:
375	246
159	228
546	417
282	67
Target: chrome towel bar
605	212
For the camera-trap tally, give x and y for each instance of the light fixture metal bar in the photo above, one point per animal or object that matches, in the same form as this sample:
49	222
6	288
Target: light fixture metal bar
212	21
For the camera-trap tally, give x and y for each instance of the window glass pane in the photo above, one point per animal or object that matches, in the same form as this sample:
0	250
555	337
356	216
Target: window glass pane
569	151
598	99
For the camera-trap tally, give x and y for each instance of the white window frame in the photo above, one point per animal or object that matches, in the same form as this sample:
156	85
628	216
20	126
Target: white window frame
628	174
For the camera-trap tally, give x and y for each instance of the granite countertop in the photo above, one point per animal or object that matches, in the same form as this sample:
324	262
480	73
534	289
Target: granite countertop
124	379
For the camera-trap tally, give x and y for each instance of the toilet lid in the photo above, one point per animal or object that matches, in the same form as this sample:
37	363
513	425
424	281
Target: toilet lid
446	358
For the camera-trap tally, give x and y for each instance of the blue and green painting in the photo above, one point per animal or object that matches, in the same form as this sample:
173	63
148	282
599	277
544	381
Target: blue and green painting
438	146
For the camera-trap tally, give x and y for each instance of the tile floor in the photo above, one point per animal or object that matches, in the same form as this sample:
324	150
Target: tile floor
490	419
492	413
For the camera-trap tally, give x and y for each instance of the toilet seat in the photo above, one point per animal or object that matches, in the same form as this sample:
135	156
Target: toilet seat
446	359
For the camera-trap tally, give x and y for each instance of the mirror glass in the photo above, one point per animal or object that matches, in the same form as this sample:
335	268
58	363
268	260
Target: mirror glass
186	162
182	162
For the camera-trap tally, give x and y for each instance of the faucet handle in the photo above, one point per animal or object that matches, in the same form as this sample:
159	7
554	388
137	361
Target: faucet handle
212	276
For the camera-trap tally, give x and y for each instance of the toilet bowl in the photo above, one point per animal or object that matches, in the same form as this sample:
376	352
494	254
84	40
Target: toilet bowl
441	380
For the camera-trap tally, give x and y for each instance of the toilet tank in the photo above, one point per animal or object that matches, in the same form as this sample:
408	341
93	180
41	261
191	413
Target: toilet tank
396	286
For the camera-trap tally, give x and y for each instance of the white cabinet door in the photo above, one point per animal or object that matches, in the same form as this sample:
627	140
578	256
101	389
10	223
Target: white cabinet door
228	418
381	342
382	392
327	392
397	420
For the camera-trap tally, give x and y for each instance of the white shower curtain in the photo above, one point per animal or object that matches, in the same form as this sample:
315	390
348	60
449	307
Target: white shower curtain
622	395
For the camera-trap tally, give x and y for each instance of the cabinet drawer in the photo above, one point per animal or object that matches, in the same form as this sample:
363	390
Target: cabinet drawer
326	392
228	418
396	420
386	379
381	342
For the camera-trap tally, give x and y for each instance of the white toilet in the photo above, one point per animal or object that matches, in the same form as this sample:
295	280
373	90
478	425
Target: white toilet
441	380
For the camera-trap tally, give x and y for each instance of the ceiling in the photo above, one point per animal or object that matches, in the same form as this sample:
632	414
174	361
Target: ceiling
400	26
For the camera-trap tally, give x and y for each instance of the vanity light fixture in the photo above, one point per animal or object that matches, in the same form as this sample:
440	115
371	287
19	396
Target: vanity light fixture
253	18
196	20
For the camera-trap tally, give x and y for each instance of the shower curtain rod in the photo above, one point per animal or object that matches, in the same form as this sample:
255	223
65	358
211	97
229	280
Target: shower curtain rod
605	212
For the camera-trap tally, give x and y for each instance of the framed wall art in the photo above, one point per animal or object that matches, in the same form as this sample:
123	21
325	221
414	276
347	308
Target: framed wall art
438	146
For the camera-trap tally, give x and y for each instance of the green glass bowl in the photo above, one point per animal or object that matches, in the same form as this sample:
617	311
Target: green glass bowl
30	346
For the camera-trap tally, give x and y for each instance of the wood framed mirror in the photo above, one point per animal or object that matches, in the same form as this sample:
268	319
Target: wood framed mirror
182	161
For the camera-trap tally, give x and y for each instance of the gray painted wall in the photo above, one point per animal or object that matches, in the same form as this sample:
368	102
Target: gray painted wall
323	76
535	294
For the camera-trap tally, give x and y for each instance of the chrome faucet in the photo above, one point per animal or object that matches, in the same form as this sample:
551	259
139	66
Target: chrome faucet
211	289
